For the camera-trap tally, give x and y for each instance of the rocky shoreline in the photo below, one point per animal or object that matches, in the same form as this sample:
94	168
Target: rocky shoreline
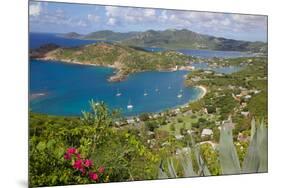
119	75
50	51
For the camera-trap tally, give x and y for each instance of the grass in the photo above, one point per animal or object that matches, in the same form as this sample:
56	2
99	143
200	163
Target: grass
186	122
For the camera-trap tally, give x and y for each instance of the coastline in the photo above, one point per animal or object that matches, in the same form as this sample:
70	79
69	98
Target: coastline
201	95
204	91
118	76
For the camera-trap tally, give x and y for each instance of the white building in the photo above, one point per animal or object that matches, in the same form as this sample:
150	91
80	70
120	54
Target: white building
207	133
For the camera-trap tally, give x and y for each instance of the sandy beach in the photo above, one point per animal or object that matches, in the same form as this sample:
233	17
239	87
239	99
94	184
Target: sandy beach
204	91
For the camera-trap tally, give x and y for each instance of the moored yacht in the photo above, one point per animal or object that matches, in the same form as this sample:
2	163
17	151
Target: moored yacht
145	93
118	93
129	106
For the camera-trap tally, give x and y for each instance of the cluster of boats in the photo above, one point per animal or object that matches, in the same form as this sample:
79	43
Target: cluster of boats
130	106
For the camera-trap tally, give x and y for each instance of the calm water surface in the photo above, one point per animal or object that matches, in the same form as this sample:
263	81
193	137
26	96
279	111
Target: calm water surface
59	88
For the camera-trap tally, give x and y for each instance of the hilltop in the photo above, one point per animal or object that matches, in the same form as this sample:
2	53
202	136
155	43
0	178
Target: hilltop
174	39
125	59
110	35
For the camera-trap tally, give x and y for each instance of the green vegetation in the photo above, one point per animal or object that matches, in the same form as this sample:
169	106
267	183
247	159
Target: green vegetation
205	160
173	38
119	151
214	135
125	59
242	94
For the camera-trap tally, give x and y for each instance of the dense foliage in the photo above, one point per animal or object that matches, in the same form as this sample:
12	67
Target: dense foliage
120	152
124	58
103	146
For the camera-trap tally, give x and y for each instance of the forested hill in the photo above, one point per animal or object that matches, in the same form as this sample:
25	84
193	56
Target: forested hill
173	38
125	59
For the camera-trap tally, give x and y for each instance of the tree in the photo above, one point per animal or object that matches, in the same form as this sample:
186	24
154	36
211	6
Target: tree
172	127
144	117
151	125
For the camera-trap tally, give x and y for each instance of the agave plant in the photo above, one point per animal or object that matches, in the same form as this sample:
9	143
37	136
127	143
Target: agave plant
187	164
255	160
228	157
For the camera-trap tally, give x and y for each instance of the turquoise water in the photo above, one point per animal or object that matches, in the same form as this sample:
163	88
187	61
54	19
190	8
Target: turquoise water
215	53
225	70
206	53
38	39
67	88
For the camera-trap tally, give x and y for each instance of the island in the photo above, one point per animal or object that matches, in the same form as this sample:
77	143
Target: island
124	59
172	39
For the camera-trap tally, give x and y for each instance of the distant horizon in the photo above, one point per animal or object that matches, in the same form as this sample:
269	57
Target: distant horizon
60	18
138	31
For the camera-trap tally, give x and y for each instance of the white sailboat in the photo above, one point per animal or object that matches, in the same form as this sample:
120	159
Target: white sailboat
169	87
129	106
118	94
145	93
156	89
180	94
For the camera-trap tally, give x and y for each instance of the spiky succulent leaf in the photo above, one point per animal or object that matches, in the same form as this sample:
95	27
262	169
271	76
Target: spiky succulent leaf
251	161
171	169
203	169
227	152
263	147
257	154
187	165
162	174
253	128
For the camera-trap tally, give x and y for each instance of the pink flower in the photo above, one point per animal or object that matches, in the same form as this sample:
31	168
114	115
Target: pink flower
78	156
78	164
101	169
93	176
67	156
83	171
71	150
88	163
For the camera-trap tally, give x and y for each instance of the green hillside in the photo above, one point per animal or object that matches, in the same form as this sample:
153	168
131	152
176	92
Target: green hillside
188	39
125	59
173	39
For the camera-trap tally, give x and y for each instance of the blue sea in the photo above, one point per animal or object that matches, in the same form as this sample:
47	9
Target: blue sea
38	39
224	70
58	88
66	89
206	53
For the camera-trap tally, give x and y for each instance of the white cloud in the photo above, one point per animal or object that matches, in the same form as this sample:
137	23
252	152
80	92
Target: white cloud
126	15
35	9
149	12
93	18
111	21
212	23
82	23
57	17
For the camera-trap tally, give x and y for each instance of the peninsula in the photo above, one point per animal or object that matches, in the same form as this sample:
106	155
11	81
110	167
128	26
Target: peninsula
172	39
124	59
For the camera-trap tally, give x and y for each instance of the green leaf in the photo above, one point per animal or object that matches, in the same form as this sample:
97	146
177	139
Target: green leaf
227	152
257	154
171	169
186	163
203	169
162	174
253	128
41	146
263	147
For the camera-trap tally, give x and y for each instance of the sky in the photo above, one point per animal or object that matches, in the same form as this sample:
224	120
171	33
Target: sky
52	17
